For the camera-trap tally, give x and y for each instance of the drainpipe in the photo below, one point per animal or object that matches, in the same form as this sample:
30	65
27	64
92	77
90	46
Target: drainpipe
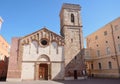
115	50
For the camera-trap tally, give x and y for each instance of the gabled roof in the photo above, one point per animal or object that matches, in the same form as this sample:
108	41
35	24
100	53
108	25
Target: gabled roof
43	33
43	29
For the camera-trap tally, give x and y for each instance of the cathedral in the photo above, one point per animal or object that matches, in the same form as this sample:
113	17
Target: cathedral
45	55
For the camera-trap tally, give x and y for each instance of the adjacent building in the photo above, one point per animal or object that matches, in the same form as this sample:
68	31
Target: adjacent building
103	51
4	55
45	55
4	48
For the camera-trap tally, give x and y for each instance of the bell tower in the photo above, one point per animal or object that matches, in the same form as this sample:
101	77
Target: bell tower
71	30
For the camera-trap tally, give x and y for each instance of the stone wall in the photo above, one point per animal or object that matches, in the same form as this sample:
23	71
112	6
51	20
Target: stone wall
14	71
34	53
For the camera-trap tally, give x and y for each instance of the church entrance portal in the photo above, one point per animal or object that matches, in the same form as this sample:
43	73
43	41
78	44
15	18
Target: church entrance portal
43	71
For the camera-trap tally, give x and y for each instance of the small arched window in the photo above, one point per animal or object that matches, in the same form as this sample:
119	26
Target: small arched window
72	18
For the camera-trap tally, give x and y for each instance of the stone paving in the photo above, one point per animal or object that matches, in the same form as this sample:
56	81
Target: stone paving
86	81
32	82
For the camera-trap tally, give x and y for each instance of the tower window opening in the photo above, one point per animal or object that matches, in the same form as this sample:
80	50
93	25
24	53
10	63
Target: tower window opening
71	40
72	18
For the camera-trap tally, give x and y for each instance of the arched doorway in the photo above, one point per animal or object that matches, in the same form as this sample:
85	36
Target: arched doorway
43	71
43	68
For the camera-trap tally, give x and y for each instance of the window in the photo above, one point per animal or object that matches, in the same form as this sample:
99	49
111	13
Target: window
92	67
105	33
118	37
97	45
96	37
98	53
106	41
108	50
119	47
72	18
75	57
110	65
100	67
44	42
71	40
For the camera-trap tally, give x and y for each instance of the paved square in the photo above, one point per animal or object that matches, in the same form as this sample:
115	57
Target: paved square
87	81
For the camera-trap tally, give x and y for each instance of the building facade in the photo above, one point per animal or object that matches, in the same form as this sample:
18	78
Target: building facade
45	55
103	51
4	55
4	48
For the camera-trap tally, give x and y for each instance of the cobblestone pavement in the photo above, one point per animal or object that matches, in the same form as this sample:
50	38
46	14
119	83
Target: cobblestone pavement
86	81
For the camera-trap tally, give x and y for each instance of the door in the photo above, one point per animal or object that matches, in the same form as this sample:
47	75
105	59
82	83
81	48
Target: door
43	71
75	74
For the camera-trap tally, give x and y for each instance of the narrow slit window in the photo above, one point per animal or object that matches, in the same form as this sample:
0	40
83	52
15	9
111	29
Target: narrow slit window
72	18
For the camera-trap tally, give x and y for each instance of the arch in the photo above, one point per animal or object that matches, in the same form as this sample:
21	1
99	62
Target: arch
43	68
72	18
34	43
34	47
54	44
43	58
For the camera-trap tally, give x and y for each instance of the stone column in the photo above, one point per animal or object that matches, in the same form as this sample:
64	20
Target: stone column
49	71
36	71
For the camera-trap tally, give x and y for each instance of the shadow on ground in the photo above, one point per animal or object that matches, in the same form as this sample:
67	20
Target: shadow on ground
85	81
91	81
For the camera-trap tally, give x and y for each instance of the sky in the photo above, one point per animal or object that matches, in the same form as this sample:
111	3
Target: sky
22	17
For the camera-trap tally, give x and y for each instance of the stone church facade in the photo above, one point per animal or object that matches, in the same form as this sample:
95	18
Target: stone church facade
45	55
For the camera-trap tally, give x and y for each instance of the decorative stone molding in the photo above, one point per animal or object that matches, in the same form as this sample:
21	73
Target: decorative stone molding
43	33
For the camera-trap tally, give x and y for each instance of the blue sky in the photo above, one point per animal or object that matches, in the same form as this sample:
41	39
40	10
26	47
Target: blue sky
22	17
